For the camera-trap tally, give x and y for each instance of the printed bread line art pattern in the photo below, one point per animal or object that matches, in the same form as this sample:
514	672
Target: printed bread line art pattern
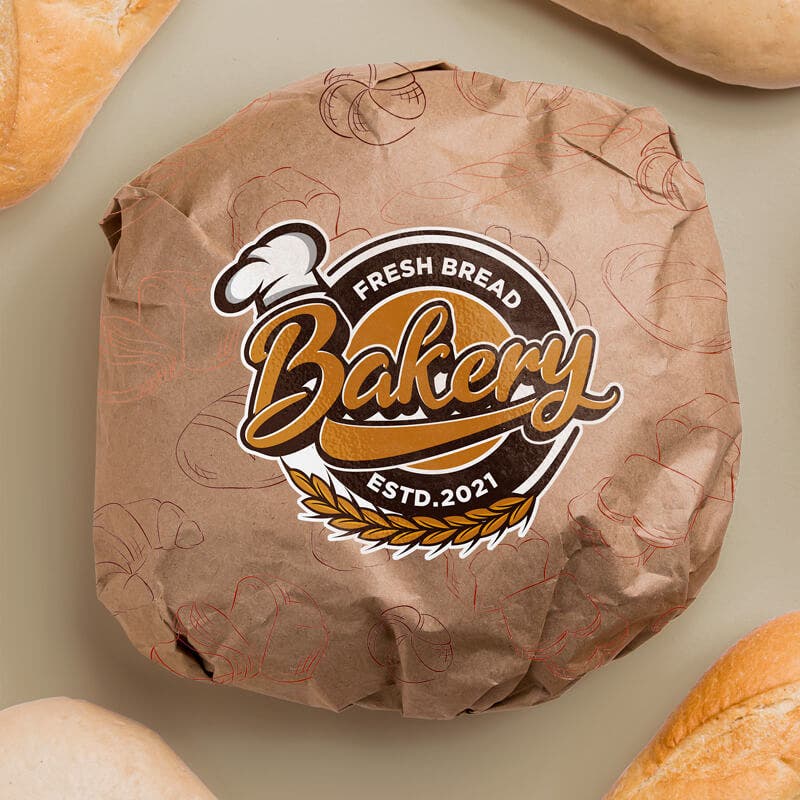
655	286
127	539
490	584
561	276
665	178
360	104
344	555
272	630
516	99
411	646
474	185
681	488
162	179
208	450
150	347
286	193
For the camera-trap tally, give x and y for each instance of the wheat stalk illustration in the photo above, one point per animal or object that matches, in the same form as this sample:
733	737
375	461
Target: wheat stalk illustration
341	514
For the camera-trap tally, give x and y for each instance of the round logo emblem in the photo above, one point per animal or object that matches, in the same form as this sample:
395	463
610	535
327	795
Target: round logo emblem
420	392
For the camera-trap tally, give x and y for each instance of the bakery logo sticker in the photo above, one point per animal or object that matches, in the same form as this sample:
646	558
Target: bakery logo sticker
420	393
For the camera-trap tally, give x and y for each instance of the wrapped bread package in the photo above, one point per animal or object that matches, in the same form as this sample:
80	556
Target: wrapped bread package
415	393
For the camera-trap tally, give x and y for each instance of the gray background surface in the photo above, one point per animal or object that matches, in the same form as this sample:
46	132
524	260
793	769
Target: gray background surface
210	59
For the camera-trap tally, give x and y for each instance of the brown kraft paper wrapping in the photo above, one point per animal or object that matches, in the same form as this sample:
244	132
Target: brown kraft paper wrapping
415	393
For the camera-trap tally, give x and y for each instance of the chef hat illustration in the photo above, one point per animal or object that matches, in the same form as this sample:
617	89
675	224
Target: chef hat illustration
280	262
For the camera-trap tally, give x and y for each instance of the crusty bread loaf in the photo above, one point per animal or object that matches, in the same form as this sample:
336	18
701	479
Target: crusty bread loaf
9	63
58	63
737	734
749	42
60	749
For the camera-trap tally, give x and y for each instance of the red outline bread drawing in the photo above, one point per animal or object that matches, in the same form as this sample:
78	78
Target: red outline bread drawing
150	347
504	98
561	276
565	599
158	184
660	517
272	629
490	583
286	193
139	201
344	556
587	648
412	647
125	539
476	184
485	579
680	485
666	179
707	424
675	300
593	525
360	104
208	450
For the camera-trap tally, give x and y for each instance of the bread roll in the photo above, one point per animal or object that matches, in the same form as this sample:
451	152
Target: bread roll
749	42
61	749
737	734
58	63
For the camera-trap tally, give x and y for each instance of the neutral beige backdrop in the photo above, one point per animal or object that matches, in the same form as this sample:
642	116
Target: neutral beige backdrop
212	57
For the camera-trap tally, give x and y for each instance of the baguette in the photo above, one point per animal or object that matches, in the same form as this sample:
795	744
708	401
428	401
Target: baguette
737	734
748	42
58	63
60	749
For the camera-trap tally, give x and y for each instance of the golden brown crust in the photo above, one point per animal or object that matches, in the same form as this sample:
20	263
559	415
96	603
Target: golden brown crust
71	55
748	42
737	734
8	68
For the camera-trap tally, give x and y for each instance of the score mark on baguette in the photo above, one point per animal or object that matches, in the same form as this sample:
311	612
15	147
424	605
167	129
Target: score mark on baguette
737	735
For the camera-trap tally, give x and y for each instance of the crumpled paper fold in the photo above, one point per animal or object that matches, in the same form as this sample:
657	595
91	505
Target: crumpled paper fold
200	552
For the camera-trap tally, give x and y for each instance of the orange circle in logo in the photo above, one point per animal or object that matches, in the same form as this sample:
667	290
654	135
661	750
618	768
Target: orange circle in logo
473	322
384	324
